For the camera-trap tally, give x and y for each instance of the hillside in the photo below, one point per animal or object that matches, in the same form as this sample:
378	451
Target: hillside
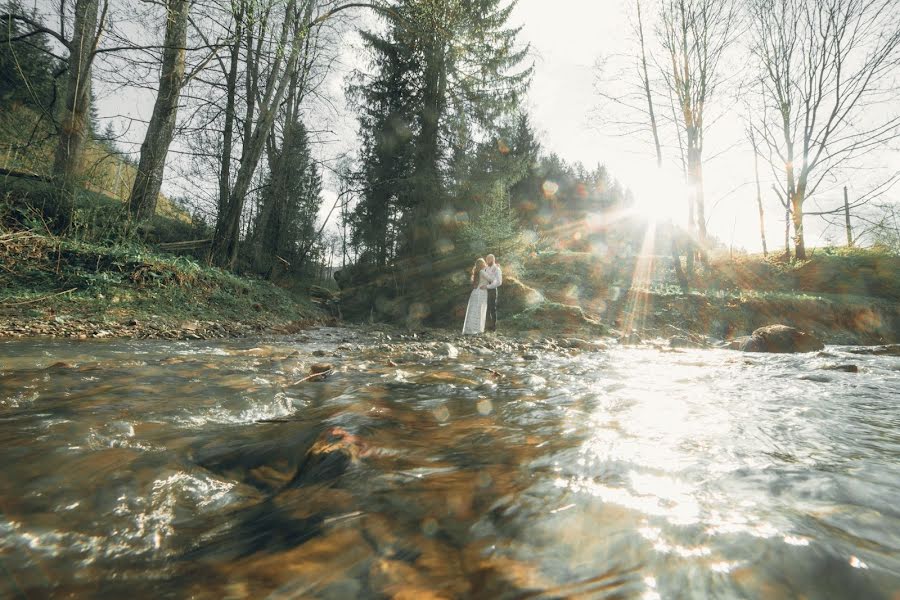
27	143
60	287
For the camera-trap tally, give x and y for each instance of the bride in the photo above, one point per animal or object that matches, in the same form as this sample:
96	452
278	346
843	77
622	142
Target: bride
477	309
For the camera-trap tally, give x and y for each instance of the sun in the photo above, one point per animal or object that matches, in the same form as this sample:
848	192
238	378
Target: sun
661	196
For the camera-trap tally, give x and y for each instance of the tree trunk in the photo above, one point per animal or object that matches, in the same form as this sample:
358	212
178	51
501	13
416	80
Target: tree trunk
797	214
646	78
759	203
787	229
224	248
75	114
161	129
426	172
228	128
679	272
847	219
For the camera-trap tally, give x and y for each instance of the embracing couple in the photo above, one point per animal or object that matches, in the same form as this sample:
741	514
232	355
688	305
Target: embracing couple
481	314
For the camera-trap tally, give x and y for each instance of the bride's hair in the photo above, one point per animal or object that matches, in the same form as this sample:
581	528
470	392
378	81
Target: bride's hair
479	265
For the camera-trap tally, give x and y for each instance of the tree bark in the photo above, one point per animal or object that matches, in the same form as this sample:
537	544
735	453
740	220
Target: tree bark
797	215
76	110
646	77
787	230
223	251
847	219
759	203
161	129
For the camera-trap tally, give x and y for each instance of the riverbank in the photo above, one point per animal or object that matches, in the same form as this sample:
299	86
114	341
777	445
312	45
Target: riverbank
59	287
842	296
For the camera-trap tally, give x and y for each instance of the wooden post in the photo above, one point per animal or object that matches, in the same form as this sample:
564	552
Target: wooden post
847	219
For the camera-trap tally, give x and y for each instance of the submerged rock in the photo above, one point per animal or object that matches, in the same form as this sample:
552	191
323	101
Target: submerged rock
780	339
683	341
448	350
886	350
844	368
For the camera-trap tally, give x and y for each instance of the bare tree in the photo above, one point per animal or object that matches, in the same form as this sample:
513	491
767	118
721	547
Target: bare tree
759	203
696	35
266	83
161	129
828	80
645	80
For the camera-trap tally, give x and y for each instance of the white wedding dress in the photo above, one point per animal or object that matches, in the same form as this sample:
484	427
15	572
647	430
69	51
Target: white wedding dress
476	312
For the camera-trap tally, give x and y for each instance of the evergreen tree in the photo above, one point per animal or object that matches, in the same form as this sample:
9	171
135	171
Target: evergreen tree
457	69
27	66
386	130
286	225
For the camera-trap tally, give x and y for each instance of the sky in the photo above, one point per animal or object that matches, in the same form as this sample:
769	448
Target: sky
567	38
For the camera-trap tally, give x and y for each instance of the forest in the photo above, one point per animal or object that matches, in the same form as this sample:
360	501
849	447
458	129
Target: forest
447	163
450	299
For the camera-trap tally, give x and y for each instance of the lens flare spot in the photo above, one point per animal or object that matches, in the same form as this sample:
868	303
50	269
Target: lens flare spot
550	188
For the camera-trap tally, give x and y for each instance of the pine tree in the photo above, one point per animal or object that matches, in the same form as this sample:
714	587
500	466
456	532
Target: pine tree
386	129
26	64
285	227
461	71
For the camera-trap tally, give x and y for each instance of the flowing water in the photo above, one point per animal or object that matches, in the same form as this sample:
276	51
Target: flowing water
208	470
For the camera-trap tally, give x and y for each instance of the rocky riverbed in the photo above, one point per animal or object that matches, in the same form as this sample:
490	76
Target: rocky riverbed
381	463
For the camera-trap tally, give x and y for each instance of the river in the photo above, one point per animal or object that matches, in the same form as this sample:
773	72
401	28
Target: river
150	469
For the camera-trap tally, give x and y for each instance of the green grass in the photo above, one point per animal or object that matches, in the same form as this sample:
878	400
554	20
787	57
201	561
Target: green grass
37	204
27	144
122	282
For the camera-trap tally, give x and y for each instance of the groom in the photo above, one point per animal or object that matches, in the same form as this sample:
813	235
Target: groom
496	276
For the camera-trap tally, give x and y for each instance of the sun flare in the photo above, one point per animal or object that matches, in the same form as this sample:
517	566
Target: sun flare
661	196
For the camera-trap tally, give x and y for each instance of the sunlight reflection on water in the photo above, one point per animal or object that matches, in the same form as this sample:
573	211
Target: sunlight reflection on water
633	472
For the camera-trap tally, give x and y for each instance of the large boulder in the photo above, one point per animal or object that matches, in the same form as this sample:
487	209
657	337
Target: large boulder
780	338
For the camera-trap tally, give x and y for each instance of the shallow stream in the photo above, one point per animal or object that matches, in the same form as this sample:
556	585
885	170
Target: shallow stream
210	470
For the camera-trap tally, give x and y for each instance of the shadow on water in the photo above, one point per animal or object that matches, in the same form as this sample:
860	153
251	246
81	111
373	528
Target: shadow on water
160	469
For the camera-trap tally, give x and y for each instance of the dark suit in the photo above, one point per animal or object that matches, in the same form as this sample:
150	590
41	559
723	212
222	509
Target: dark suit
490	323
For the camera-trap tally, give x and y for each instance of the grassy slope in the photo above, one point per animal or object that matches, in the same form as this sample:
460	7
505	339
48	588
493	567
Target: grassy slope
28	145
89	284
842	295
59	286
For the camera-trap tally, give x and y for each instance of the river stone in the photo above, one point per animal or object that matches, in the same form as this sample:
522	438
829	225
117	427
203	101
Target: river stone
447	349
580	344
630	339
479	351
844	368
682	341
780	339
887	350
